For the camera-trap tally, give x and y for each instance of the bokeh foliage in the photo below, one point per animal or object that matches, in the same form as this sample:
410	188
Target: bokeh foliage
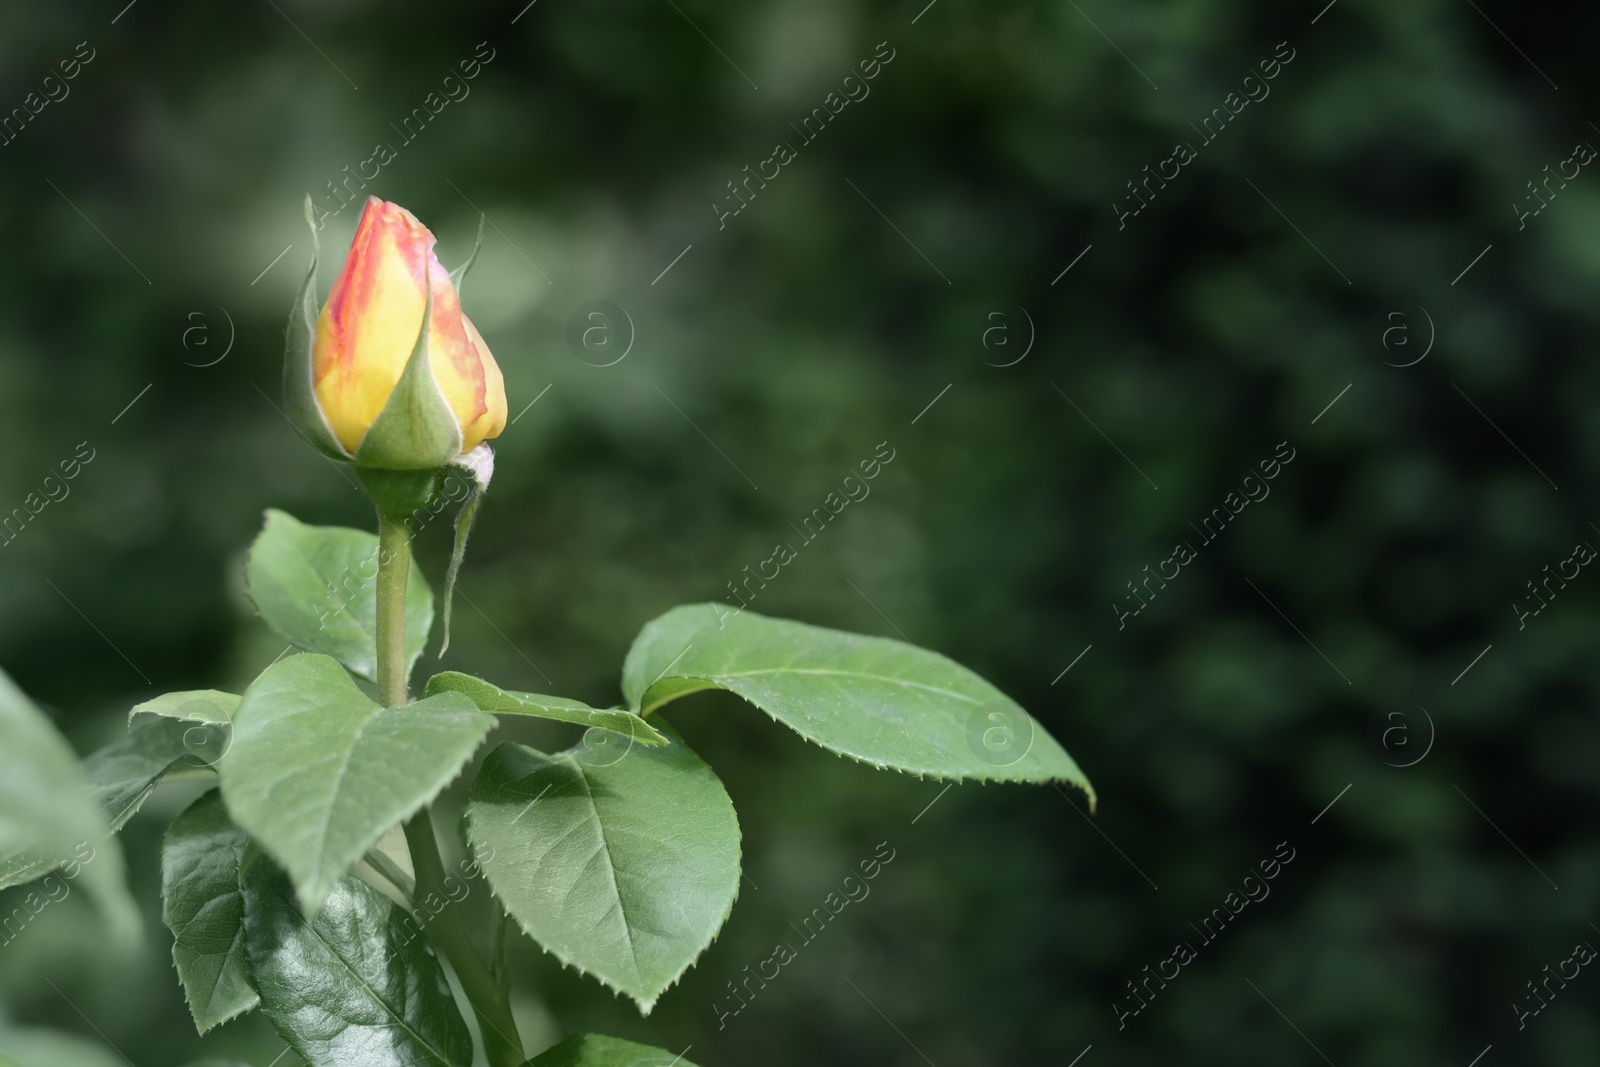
797	339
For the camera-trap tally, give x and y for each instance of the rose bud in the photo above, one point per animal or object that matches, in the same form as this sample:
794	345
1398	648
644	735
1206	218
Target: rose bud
391	375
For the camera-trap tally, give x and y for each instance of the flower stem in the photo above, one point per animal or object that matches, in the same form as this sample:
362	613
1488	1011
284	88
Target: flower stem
394	566
489	997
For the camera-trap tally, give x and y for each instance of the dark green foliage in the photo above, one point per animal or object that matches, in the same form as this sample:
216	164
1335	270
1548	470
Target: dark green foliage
797	339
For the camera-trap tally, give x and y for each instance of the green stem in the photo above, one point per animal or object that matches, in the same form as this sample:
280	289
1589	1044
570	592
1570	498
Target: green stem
394	566
391	872
497	942
489	998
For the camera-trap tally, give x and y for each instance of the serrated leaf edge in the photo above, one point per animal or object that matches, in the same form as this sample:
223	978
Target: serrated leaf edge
645	1005
653	738
313	910
416	575
312	913
291	1039
921	775
178	935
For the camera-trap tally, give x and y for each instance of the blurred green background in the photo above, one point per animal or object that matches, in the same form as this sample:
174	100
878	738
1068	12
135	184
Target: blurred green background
784	347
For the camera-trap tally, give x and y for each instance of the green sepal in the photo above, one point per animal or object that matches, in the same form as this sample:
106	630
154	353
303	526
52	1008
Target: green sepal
460	272
299	388
464	519
480	464
416	430
401	496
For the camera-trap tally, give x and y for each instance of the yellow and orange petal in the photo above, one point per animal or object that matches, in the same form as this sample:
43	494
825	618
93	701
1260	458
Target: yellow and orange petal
369	325
457	366
493	419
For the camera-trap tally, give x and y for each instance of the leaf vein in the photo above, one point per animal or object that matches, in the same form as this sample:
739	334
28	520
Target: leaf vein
376	999
611	866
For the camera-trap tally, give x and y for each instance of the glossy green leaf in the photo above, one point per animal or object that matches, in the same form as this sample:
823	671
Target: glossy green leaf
490	697
623	862
124	773
595	1050
883	702
202	906
48	815
350	989
191	705
37	1047
317	587
317	773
